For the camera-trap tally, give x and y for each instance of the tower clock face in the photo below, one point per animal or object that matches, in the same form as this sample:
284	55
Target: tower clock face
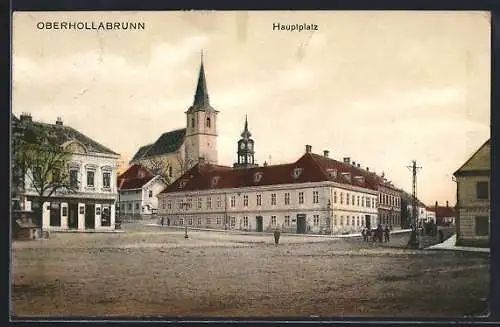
242	146
250	146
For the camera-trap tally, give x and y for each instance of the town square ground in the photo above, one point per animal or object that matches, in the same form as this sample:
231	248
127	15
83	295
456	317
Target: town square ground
154	271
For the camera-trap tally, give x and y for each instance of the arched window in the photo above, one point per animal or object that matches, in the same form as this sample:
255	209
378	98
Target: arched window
192	122
208	121
170	171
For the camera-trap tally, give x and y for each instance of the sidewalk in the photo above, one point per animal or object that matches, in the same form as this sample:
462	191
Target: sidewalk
239	232
449	244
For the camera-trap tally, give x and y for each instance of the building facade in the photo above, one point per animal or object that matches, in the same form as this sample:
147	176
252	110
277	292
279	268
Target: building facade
92	172
178	150
138	192
315	194
445	215
473	199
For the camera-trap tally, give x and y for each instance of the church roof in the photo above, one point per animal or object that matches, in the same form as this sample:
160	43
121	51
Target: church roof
308	168
168	142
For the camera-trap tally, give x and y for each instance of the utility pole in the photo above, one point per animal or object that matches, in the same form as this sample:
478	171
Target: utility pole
414	206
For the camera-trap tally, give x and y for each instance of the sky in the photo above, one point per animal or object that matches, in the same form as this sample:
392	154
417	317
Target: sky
383	88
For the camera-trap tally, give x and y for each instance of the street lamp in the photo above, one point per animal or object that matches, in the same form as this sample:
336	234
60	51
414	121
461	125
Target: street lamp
185	205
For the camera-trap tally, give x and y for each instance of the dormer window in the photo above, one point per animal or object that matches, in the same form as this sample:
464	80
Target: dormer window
360	179
332	173
214	181
257	177
183	183
296	172
347	176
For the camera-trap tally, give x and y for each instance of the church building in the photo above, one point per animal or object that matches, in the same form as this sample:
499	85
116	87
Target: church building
179	150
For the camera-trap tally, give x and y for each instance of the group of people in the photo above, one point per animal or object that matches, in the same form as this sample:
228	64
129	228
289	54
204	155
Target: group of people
377	234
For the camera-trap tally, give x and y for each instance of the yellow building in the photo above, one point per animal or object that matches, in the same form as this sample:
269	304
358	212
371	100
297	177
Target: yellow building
473	199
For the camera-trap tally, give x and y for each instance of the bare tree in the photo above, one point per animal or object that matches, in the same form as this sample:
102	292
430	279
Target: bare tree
44	164
167	169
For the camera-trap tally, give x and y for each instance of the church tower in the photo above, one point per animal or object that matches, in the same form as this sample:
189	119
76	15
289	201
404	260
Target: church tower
246	149
201	126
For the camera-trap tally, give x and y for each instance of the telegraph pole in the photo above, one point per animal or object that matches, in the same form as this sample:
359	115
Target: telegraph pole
414	169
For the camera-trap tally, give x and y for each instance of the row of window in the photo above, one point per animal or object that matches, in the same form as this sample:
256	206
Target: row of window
391	200
90	180
356	200
354	221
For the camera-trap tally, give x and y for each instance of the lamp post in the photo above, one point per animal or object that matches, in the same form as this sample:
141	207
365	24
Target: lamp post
185	205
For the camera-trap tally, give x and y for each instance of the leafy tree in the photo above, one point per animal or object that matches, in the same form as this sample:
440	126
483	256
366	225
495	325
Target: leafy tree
166	169
44	163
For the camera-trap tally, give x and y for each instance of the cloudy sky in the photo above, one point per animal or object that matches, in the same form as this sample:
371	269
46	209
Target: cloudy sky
383	88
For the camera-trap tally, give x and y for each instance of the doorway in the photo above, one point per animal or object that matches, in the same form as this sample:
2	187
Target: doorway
260	224
301	224
90	216
168	221
367	222
73	215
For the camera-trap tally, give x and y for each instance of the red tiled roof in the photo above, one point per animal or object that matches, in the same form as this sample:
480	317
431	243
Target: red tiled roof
315	168
134	183
442	212
135	171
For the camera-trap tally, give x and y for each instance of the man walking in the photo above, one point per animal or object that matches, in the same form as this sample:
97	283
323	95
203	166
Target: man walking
387	233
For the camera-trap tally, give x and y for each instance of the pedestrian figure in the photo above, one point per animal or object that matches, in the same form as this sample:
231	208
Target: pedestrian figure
161	221
379	233
441	235
363	232
276	237
387	232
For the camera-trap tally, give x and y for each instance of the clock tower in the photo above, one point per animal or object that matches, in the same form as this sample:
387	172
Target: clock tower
201	126
245	149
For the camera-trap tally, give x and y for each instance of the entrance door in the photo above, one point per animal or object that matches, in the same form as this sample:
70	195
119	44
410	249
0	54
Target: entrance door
168	221
260	224
367	222
73	215
301	224
89	216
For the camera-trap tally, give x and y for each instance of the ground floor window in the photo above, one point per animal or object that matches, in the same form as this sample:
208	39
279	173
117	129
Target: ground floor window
245	221
273	220
190	221
233	221
130	206
181	221
287	220
209	221
482	226
316	220
106	215
199	221
218	220
55	214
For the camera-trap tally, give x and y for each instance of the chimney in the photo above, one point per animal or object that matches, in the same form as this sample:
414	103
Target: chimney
347	160
359	166
354	163
201	161
308	148
436	204
25	117
446	204
367	168
59	121
326	153
265	163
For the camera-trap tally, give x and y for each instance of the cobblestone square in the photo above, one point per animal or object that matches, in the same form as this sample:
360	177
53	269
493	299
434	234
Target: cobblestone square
148	271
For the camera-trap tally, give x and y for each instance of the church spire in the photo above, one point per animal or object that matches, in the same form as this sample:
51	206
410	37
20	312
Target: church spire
246	133
201	95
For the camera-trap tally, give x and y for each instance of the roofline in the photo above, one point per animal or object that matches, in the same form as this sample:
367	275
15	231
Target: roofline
254	188
472	156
